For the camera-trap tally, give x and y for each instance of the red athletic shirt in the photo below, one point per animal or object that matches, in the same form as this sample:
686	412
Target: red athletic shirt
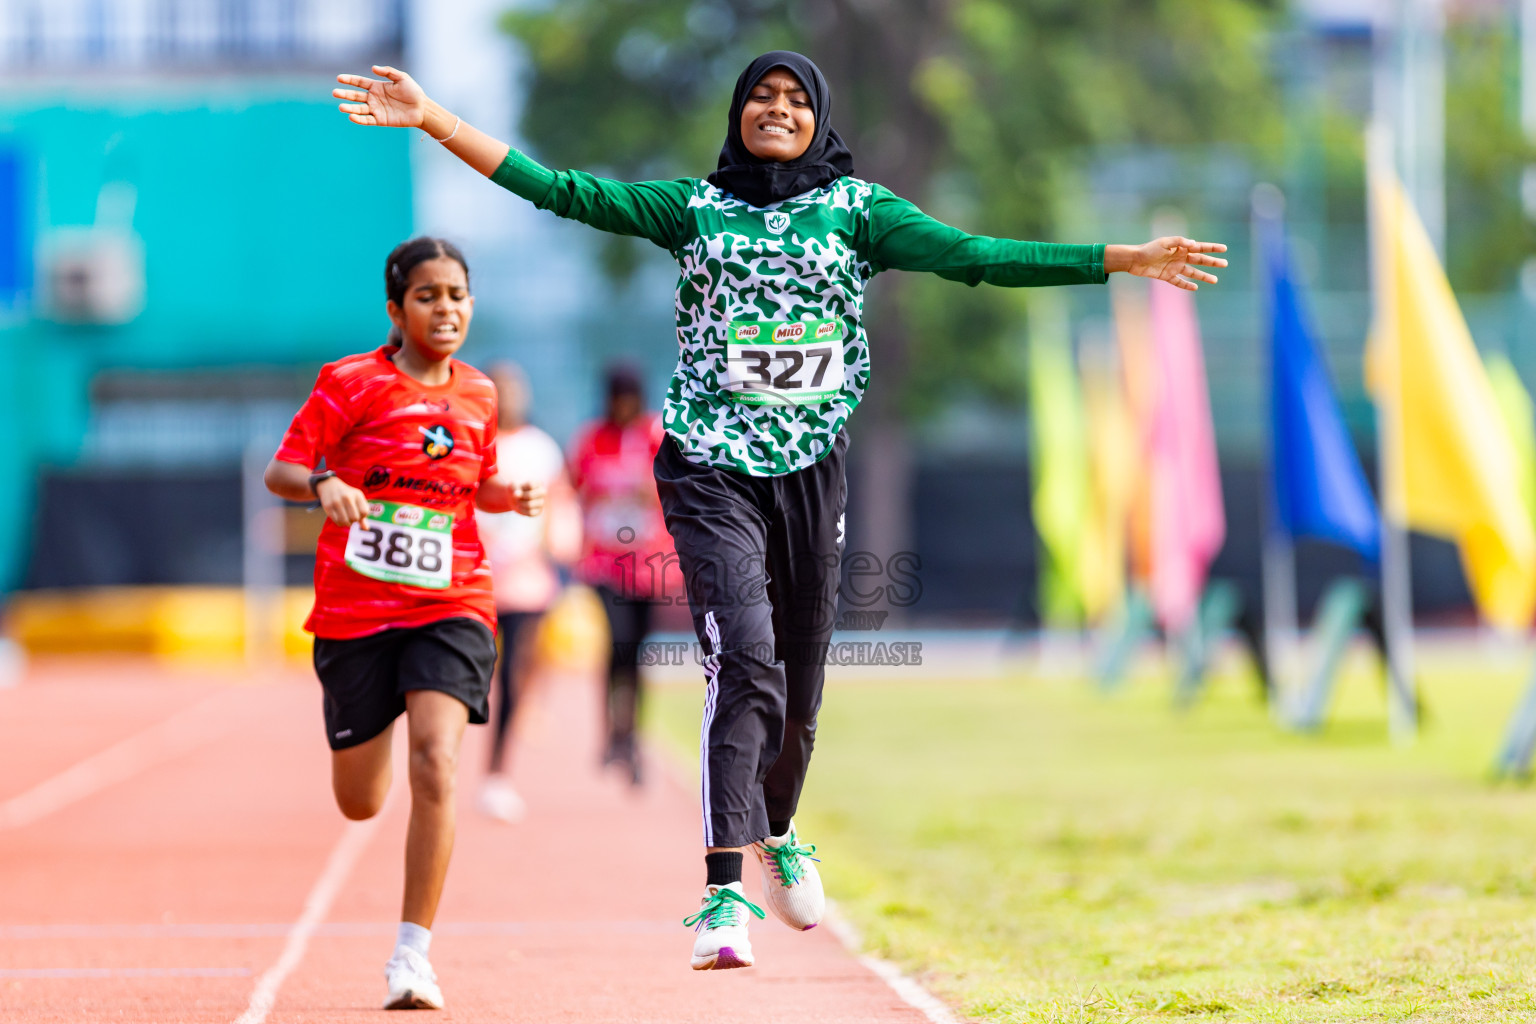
402	441
625	544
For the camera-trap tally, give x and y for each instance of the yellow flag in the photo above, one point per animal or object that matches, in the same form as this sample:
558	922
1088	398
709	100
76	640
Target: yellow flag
1450	468
1114	463
1133	334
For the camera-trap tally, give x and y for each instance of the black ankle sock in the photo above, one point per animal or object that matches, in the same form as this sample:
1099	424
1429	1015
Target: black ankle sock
778	828
722	868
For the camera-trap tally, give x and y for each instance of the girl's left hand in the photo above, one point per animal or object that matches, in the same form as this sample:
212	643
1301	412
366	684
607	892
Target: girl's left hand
1174	259
528	499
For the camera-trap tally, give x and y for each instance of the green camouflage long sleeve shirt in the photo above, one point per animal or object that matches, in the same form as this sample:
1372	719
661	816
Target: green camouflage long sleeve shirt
773	356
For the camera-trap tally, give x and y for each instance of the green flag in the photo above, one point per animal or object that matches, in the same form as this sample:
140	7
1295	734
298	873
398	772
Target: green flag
1519	419
1059	460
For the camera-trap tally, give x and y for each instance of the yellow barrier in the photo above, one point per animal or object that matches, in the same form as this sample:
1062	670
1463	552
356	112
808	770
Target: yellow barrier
573	636
195	623
208	623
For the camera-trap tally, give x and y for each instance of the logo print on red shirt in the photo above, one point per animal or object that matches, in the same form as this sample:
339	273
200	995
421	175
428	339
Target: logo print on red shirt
437	441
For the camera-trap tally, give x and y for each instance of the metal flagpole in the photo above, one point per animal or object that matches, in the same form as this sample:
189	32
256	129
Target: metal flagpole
1277	565
1528	68
1514	759
1396	581
1528	119
1420	124
263	557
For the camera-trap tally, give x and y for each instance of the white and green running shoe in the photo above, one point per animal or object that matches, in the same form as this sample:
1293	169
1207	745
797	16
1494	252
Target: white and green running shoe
721	924
791	884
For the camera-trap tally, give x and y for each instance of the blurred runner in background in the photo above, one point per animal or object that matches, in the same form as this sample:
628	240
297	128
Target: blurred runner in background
524	555
626	551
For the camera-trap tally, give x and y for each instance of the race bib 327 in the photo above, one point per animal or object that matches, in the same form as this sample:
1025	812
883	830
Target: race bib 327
784	362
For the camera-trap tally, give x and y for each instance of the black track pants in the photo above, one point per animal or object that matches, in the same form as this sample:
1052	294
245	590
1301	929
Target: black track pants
516	629
760	558
629	620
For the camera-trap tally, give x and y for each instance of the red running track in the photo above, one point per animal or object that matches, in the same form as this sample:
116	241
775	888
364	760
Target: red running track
161	831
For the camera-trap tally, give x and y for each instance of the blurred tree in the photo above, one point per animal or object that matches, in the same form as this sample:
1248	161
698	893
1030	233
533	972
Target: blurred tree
1000	101
1488	234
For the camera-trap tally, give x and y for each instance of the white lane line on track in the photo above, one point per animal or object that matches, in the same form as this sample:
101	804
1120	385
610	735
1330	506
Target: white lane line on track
354	840
124	972
907	989
180	734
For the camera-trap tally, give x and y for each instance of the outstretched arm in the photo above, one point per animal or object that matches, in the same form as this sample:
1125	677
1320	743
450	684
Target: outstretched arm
649	209
903	237
399	102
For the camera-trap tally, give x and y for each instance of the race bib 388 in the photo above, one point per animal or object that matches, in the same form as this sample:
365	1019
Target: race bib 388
403	544
785	362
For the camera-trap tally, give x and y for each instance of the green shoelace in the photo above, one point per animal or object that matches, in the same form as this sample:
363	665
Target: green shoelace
719	911
788	857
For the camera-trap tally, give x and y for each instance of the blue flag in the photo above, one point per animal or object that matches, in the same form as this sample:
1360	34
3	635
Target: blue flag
1317	484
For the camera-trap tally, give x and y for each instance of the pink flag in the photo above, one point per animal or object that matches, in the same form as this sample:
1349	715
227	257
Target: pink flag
1188	524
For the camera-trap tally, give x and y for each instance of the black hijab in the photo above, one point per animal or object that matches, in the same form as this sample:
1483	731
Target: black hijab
761	182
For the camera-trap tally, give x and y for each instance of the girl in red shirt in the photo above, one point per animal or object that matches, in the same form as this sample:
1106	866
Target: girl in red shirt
404	615
626	552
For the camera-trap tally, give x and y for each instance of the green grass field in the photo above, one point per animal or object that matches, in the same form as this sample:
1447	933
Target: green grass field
1034	851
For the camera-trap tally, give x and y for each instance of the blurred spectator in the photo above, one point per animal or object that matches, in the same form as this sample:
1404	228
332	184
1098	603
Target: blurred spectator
626	549
524	553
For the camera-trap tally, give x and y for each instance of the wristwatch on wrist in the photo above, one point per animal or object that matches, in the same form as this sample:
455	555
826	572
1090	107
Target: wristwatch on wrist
315	479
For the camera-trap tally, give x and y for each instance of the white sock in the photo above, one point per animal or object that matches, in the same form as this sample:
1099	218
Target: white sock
414	936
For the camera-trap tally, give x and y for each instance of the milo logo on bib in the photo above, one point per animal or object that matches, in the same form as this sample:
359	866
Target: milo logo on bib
785	362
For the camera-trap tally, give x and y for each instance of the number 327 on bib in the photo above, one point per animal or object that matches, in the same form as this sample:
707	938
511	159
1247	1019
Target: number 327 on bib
403	544
794	362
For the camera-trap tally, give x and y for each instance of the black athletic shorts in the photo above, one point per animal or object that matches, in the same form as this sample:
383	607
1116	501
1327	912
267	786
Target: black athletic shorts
366	679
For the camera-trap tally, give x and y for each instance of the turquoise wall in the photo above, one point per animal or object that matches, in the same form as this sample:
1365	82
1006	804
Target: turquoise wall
265	217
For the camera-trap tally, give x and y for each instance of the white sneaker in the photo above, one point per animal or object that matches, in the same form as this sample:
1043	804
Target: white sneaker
791	884
721	924
499	800
412	983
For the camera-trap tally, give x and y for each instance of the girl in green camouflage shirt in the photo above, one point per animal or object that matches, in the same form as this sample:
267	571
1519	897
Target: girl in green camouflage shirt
774	249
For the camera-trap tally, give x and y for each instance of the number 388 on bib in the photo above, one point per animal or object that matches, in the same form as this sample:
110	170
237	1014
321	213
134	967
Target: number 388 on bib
403	544
784	362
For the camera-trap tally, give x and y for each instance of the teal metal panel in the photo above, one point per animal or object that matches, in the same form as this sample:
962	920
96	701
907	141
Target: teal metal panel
265	218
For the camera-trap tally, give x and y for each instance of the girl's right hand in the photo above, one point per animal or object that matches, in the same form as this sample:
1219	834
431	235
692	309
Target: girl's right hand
396	102
343	503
